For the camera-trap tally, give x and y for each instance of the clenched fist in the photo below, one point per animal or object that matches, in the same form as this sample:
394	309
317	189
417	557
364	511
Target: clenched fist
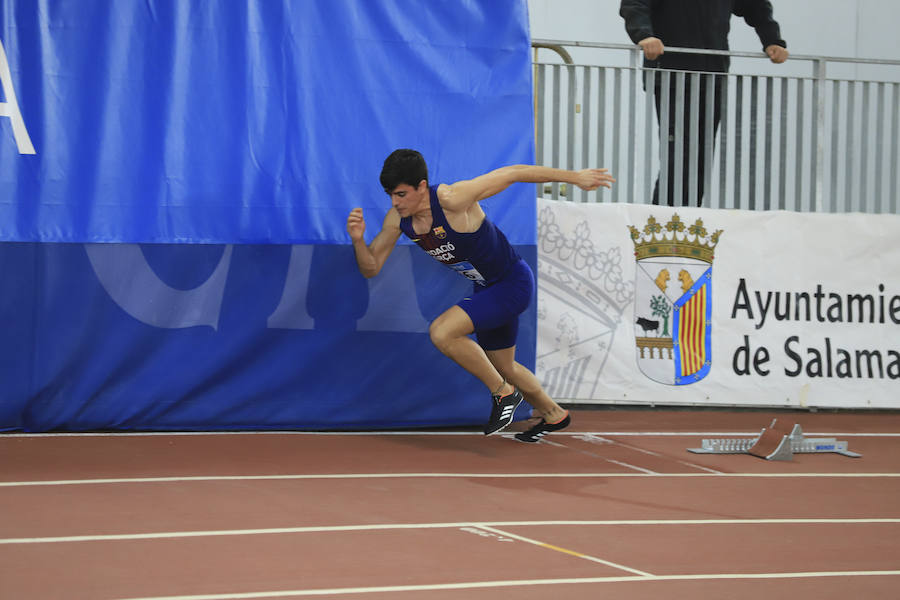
356	225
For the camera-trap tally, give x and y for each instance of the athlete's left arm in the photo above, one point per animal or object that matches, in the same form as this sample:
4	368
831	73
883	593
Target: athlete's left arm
462	194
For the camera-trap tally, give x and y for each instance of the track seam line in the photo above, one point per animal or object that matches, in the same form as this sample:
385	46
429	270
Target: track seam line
594	439
595	455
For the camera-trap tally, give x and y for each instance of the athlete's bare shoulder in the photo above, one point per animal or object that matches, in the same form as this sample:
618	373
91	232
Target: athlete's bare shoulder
456	197
444	192
391	220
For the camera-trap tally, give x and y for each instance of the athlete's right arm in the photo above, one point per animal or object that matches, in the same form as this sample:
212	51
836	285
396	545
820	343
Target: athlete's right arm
370	258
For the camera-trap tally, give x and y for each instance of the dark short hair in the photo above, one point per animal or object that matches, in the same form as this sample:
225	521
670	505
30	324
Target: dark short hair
403	166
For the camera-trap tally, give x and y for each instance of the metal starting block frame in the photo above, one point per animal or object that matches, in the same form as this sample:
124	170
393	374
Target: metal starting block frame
774	444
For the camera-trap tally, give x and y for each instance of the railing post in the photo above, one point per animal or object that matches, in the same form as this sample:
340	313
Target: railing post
571	109
632	182
539	102
818	164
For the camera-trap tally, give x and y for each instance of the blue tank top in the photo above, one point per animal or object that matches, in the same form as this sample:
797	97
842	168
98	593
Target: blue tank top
483	256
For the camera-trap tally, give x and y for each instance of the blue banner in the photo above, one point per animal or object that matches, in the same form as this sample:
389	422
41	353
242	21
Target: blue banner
175	179
264	121
193	337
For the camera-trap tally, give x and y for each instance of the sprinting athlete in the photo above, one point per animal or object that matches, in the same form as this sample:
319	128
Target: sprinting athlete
448	223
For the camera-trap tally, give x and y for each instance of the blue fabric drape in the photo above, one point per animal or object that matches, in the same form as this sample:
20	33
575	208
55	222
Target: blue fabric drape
265	121
175	179
192	337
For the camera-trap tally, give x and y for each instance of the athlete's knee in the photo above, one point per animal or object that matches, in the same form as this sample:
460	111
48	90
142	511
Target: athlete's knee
440	334
449	327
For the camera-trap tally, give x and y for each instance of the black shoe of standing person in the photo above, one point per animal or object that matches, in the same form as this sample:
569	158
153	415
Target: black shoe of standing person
502	412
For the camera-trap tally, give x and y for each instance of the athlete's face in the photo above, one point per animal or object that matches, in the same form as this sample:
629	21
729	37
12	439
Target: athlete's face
408	200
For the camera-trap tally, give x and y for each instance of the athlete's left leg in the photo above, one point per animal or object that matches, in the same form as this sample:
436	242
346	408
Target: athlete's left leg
521	377
449	333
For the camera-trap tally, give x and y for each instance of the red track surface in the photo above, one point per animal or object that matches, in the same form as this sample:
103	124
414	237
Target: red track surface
624	513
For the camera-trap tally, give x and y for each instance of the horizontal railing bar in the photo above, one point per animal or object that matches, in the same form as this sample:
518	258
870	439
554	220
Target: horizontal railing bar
632	47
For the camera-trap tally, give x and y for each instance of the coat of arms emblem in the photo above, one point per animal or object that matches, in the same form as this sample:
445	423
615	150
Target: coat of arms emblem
673	300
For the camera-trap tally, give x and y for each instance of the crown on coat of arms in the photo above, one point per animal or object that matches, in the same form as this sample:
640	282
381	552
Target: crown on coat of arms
675	240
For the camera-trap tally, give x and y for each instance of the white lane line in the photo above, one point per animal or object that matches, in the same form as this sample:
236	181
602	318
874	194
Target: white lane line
519	583
722	433
751	433
455	525
564	550
325	476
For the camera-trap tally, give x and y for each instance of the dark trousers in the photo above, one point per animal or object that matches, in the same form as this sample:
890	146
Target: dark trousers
699	169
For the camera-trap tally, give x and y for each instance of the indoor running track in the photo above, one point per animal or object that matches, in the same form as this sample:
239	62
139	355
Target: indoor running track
615	508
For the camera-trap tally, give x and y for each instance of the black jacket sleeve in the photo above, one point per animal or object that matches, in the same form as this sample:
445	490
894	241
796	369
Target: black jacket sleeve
758	15
637	19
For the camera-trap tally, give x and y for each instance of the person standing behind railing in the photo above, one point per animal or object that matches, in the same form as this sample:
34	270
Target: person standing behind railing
655	24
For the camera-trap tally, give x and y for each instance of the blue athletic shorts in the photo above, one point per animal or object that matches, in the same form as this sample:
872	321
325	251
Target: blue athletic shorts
495	309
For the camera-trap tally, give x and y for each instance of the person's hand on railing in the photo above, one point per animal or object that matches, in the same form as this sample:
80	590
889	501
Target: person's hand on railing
777	54
591	179
653	47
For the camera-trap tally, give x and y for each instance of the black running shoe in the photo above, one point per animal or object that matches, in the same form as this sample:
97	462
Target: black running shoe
541	429
503	411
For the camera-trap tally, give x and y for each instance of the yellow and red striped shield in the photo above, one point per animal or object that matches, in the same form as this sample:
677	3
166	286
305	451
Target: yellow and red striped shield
692	325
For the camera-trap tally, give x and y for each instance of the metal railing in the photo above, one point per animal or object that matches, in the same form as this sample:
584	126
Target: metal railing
796	142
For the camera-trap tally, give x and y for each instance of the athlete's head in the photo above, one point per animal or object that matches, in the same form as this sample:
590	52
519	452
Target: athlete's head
405	179
403	166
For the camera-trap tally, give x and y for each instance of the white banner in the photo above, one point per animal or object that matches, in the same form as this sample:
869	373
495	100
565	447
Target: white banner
658	305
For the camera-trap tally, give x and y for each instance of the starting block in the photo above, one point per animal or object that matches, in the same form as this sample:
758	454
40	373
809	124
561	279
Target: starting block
776	442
